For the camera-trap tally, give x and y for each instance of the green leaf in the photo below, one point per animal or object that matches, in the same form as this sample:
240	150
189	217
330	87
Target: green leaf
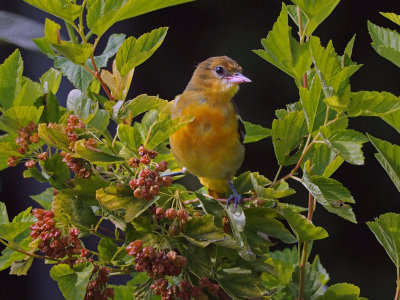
122	292
284	262
393	119
392	17
248	181
202	231
3	214
44	45
10	78
374	104
18	116
283	51
77	53
141	104
316	11
263	222
346	143
77	74
107	249
9	256
386	42
51	112
212	207
329	69
303	228
45	198
50	81
386	229
80	104
63	9
325	161
310	100
102	14
342	291
240	283
312	281
77	208
134	52
54	136
198	260
72	281
287	135
389	158
116	197
20	224
95	157
130	136
56	171
255	133
21	267
161	130
331	194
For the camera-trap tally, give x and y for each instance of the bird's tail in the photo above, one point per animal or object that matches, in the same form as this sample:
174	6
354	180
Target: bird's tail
217	188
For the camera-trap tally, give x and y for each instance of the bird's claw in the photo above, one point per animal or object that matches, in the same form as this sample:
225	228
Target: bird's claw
236	198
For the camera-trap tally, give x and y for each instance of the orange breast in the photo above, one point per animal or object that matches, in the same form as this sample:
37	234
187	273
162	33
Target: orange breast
209	146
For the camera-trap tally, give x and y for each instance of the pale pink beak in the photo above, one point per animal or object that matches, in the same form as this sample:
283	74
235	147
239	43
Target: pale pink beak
237	78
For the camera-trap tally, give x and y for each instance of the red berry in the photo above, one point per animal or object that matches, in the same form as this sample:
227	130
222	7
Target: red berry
167	181
182	214
74	231
34	138
162	166
22	150
142	150
170	213
43	156
84	252
30	164
152	154
138	193
159	211
145	159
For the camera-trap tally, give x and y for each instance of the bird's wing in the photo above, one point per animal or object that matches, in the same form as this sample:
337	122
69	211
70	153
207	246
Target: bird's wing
241	129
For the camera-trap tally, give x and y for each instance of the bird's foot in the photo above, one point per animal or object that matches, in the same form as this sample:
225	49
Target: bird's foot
235	196
236	200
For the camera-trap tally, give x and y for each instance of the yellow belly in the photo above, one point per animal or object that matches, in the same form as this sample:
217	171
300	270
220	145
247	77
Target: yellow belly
209	147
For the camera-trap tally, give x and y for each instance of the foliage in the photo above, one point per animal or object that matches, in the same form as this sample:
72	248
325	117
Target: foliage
171	241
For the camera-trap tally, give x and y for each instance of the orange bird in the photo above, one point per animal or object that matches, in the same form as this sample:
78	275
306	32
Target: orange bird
211	146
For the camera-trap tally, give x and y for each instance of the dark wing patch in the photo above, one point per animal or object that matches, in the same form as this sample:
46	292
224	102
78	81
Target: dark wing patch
241	129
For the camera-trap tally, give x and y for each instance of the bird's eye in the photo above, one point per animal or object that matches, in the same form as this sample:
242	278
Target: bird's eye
220	70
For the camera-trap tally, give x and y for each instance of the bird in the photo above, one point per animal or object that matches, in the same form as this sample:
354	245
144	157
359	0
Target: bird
211	146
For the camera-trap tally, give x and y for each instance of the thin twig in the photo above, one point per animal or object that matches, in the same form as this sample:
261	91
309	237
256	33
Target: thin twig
27	253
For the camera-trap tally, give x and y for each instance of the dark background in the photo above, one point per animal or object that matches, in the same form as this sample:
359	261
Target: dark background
207	28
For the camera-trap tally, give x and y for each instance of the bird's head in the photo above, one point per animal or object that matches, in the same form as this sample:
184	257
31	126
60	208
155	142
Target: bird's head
219	74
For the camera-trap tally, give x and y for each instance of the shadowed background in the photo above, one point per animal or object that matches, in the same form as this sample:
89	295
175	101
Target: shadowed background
207	28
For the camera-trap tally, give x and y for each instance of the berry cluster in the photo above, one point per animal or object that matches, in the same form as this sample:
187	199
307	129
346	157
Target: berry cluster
79	166
96	289
178	218
156	264
185	290
52	243
74	125
147	186
26	136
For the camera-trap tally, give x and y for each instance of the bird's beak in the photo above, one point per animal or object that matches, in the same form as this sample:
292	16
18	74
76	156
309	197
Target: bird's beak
237	78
